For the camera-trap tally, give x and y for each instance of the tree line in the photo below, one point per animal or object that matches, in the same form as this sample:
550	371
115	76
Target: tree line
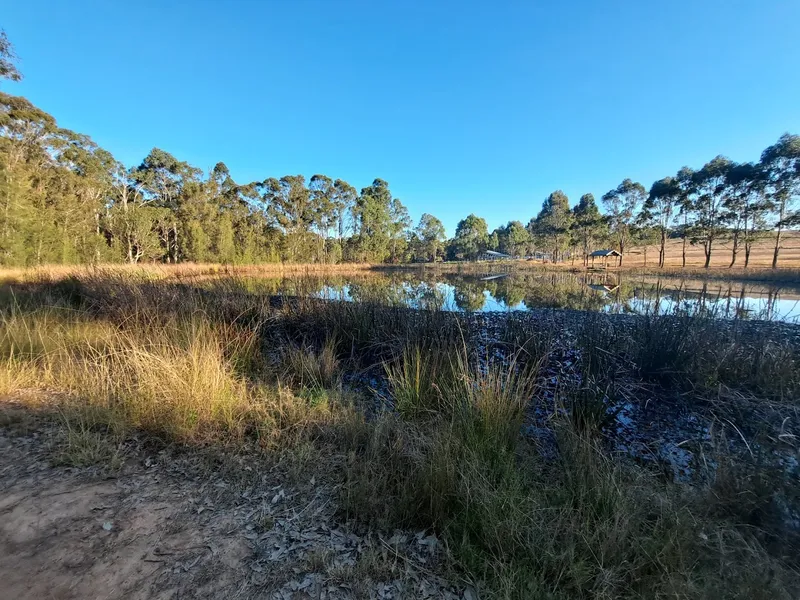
723	200
63	199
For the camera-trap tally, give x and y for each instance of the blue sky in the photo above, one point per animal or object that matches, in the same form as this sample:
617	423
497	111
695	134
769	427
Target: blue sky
462	107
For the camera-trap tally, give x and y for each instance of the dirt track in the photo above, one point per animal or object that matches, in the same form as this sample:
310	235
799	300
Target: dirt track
170	526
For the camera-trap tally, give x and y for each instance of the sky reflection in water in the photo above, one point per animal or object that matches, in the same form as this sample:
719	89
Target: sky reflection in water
602	293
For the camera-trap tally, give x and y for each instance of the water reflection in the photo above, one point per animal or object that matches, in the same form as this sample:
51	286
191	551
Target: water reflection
607	292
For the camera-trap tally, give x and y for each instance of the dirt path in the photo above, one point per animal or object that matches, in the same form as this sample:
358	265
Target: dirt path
171	526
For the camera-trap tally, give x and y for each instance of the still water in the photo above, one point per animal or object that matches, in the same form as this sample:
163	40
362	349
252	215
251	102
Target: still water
523	291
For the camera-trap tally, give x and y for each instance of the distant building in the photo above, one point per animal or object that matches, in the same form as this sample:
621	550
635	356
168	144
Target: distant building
492	255
605	255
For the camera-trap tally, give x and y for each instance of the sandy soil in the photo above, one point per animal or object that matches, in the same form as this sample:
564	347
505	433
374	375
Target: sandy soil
166	525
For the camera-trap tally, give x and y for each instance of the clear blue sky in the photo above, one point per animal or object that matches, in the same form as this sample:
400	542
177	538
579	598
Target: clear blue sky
462	107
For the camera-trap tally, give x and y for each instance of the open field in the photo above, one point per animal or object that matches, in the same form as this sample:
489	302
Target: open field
761	256
262	446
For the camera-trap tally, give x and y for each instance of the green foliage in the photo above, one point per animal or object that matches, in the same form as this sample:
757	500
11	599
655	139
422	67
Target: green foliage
513	239
710	184
429	239
8	70
622	204
472	238
553	223
781	164
588	225
381	224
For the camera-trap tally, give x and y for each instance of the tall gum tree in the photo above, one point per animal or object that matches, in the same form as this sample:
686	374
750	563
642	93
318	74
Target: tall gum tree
471	238
658	211
746	208
553	223
621	205
781	164
710	187
588	224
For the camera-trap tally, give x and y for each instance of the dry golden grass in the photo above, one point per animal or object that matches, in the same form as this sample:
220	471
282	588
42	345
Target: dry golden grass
158	271
760	258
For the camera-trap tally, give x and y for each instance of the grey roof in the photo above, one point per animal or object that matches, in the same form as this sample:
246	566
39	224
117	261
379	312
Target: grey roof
605	253
493	253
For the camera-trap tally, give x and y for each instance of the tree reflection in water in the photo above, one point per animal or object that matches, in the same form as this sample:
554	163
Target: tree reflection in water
577	291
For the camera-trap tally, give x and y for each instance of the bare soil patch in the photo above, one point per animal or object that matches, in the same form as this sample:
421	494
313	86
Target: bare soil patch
170	524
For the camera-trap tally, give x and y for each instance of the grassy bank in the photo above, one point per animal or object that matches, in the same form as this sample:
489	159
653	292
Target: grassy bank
418	418
157	271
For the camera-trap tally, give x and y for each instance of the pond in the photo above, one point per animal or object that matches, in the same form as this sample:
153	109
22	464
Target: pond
605	292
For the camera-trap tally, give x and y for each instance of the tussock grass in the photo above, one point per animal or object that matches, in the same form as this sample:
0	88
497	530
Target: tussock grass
690	352
312	369
221	365
415	380
582	527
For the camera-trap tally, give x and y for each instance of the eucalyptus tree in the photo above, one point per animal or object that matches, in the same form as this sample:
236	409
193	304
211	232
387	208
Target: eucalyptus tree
323	202
588	225
685	182
781	164
658	211
54	184
8	59
399	226
746	208
92	171
344	198
471	238
288	204
512	239
163	179
517	239
430	238
493	242
372	216
621	205
553	223
710	187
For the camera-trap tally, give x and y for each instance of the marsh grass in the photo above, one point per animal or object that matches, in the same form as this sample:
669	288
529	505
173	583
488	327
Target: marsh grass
592	405
694	353
311	368
582	527
193	365
416	379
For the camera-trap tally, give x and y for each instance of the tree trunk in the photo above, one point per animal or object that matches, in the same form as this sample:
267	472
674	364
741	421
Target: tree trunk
707	249
781	217
747	248
777	245
735	249
684	252
662	249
